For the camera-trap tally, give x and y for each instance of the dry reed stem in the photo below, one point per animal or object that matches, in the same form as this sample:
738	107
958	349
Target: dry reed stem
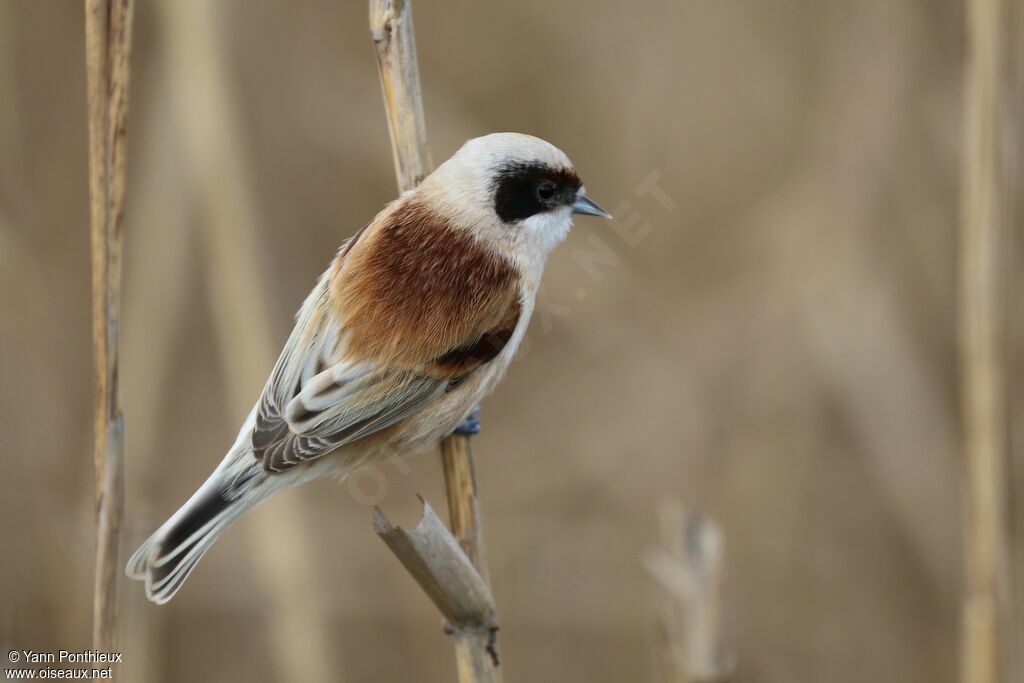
463	505
392	32
988	639
391	28
108	32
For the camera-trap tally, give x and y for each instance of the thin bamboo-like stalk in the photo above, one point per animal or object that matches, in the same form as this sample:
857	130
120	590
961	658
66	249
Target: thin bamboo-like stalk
987	195
108	32
463	505
392	33
391	28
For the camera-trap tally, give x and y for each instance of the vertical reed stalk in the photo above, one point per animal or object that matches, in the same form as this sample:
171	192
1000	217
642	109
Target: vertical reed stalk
391	28
107	47
986	223
392	33
463	507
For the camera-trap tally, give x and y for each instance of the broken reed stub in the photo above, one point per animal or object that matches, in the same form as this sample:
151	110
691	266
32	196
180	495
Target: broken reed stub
432	555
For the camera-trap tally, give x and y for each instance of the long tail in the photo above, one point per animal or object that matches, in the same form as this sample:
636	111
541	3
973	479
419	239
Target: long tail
165	560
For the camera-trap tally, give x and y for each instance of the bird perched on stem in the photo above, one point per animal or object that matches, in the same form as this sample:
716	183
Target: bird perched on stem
413	323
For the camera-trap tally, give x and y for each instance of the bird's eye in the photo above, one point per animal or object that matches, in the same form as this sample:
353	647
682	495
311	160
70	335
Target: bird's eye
545	191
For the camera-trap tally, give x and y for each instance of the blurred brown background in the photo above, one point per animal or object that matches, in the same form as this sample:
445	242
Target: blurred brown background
778	348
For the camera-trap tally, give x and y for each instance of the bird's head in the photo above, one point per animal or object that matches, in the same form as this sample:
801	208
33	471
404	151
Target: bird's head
515	192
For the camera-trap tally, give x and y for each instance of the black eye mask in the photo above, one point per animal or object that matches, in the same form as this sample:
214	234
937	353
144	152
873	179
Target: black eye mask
524	190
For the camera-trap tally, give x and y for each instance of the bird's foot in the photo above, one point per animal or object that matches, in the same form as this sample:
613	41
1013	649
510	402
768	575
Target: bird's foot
471	425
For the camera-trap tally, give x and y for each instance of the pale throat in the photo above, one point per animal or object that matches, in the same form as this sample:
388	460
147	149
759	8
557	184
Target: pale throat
547	230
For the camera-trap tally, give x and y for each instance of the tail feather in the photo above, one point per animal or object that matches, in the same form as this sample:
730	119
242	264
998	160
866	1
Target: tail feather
165	560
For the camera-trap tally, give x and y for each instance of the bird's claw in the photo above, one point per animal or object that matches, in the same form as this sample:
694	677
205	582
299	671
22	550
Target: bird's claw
471	425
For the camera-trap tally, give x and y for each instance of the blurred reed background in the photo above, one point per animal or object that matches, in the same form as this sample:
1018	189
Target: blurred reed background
773	341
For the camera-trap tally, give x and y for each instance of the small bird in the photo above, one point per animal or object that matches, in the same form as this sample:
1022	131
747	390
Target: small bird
415	321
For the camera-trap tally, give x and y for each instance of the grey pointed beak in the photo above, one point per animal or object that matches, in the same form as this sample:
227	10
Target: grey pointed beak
587	206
